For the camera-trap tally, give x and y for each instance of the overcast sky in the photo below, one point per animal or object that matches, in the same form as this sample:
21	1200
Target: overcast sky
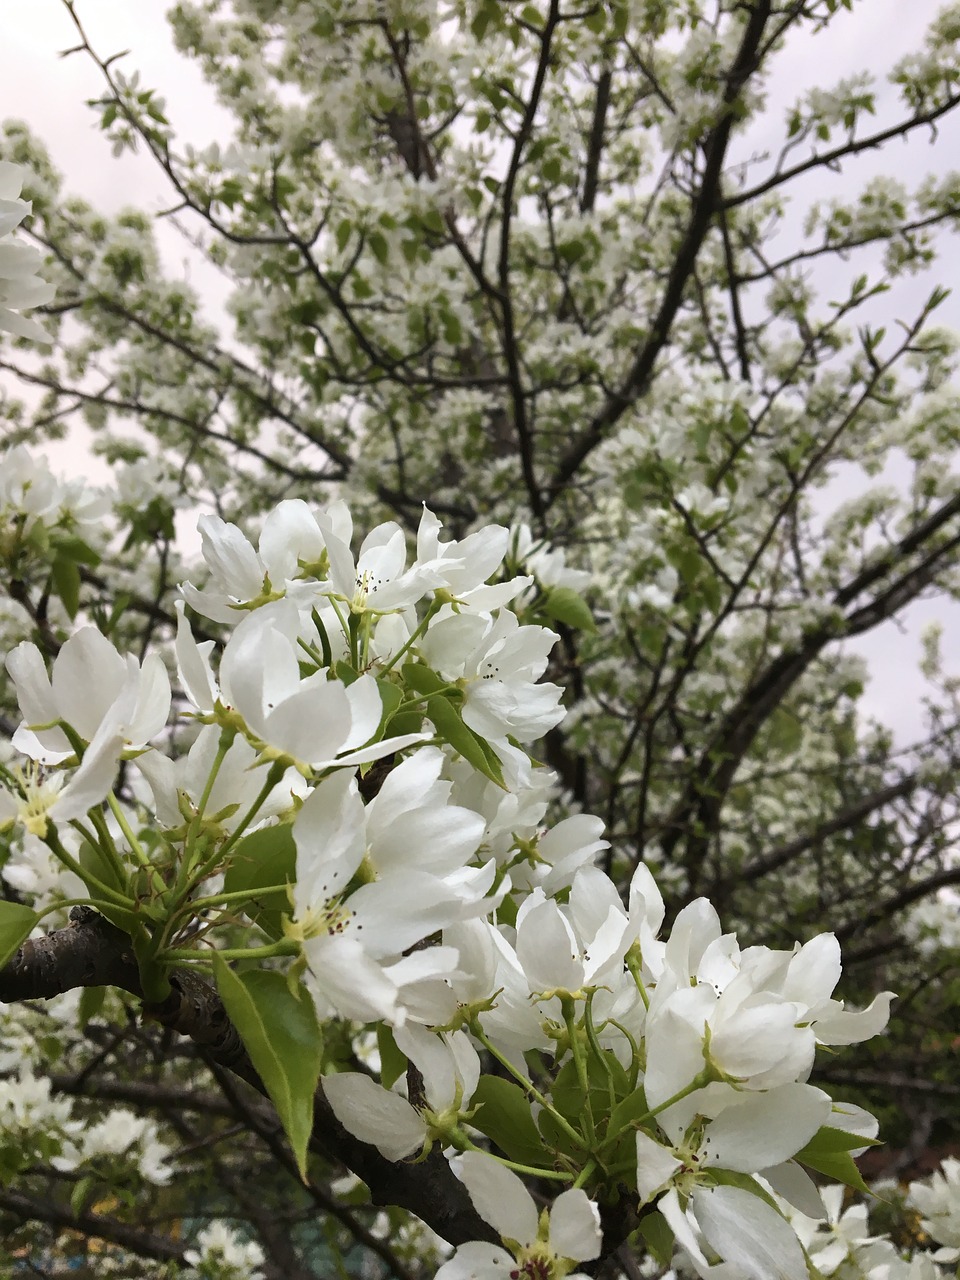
50	92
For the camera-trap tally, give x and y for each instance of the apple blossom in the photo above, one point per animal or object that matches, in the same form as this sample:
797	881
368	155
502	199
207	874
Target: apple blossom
540	1247
938	1202
350	938
93	689
498	662
449	1068
314	721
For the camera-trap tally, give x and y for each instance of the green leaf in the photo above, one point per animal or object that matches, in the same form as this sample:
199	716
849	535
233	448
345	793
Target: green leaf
481	21
96	863
393	1063
16	924
828	1152
265	858
826	1141
566	605
91	1002
627	1111
433	221
379	246
838	1165
504	1115
658	1235
572	251
78	550
449	725
421	679
391	695
66	579
79	1195
556	1138
566	1094
282	1036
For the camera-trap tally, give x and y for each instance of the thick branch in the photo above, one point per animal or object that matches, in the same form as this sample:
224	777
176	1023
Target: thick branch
91	952
701	216
510	345
697	814
591	177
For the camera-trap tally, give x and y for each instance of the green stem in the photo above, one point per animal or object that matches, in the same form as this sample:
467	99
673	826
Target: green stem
353	629
634	1051
237	895
105	843
340	618
699	1081
311	652
633	964
597	1048
569	1008
431	612
528	1087
327	652
284	947
585	1173
227	737
275	773
464	1144
136	848
69	861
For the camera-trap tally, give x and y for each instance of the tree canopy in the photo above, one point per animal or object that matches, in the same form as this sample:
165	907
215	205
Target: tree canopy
519	271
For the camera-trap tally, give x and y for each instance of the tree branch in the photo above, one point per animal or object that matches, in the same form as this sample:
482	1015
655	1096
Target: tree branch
142	1243
701	216
91	952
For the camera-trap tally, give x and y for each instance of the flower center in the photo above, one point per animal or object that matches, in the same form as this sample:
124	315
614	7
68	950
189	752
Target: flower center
37	798
533	1266
330	917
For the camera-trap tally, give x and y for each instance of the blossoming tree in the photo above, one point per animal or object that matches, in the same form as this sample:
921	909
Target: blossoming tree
445	870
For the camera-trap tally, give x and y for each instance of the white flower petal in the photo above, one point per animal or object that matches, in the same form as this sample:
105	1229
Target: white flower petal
500	1197
374	1115
764	1129
745	1230
575	1226
848	1026
656	1165
478	1261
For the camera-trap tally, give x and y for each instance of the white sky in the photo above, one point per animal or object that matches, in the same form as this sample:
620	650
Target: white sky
49	93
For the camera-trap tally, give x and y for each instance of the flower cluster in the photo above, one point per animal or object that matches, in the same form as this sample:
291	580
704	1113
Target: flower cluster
355	801
222	1255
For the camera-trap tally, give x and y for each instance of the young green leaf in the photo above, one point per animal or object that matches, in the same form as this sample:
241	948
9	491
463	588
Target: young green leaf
563	604
263	860
282	1036
449	725
16	924
504	1115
